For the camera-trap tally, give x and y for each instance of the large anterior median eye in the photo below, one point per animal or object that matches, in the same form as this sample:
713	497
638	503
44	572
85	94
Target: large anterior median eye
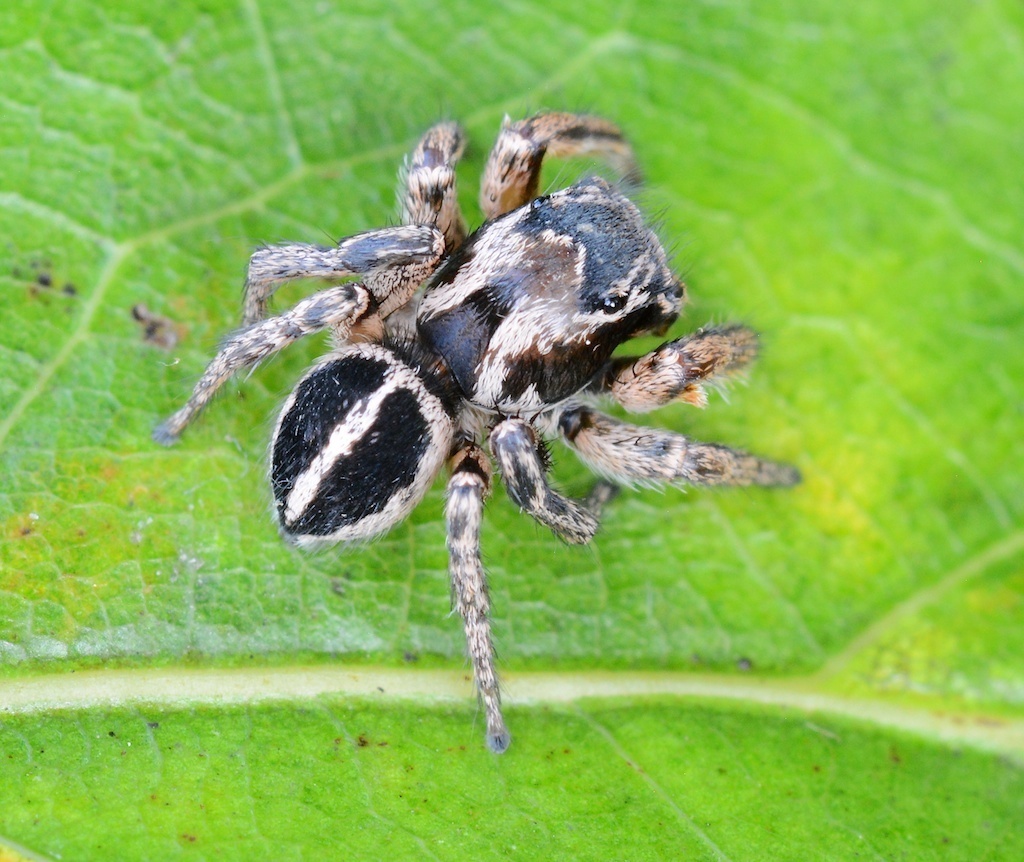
357	446
615	302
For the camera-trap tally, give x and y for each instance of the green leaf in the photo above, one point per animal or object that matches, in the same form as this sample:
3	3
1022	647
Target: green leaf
738	674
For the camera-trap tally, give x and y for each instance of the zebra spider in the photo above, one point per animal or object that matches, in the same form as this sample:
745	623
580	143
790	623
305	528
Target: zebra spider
509	341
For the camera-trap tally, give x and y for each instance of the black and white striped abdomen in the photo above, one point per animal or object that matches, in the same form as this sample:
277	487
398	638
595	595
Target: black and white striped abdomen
357	446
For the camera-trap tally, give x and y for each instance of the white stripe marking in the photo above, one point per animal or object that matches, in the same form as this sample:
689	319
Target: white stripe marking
352	428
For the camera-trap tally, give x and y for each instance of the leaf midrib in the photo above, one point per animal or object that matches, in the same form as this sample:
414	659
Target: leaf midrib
43	692
221	687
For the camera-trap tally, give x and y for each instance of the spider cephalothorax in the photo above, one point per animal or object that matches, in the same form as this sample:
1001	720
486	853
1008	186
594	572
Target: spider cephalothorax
509	340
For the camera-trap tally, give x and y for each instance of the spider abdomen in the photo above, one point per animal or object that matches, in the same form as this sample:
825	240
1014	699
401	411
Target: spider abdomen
356	447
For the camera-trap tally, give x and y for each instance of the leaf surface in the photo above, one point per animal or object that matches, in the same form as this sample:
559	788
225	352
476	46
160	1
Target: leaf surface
847	184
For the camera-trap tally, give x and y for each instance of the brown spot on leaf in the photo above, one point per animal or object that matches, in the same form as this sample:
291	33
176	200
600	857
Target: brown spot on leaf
157	330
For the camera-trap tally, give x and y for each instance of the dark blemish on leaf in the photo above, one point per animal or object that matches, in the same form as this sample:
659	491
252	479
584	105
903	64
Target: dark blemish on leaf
744	664
44	279
26	531
362	741
69	289
894	754
111	733
153	725
40	287
410	657
189	838
157	330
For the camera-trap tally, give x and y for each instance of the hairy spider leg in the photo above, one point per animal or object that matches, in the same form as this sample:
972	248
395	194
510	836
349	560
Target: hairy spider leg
415	249
635	454
427	190
407	250
515	446
512	173
468	487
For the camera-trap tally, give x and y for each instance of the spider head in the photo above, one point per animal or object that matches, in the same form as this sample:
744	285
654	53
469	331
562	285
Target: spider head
530	307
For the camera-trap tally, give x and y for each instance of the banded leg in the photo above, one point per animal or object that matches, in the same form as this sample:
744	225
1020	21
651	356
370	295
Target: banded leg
676	370
514	445
513	168
400	257
337	308
428	185
634	454
468	487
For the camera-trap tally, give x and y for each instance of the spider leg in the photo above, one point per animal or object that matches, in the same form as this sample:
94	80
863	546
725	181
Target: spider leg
677	369
513	168
515	446
395	261
635	454
428	189
468	487
337	308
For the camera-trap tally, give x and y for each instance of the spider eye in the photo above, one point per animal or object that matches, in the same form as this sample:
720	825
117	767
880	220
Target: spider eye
615	302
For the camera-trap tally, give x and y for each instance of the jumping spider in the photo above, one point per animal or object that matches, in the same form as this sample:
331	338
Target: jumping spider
508	342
